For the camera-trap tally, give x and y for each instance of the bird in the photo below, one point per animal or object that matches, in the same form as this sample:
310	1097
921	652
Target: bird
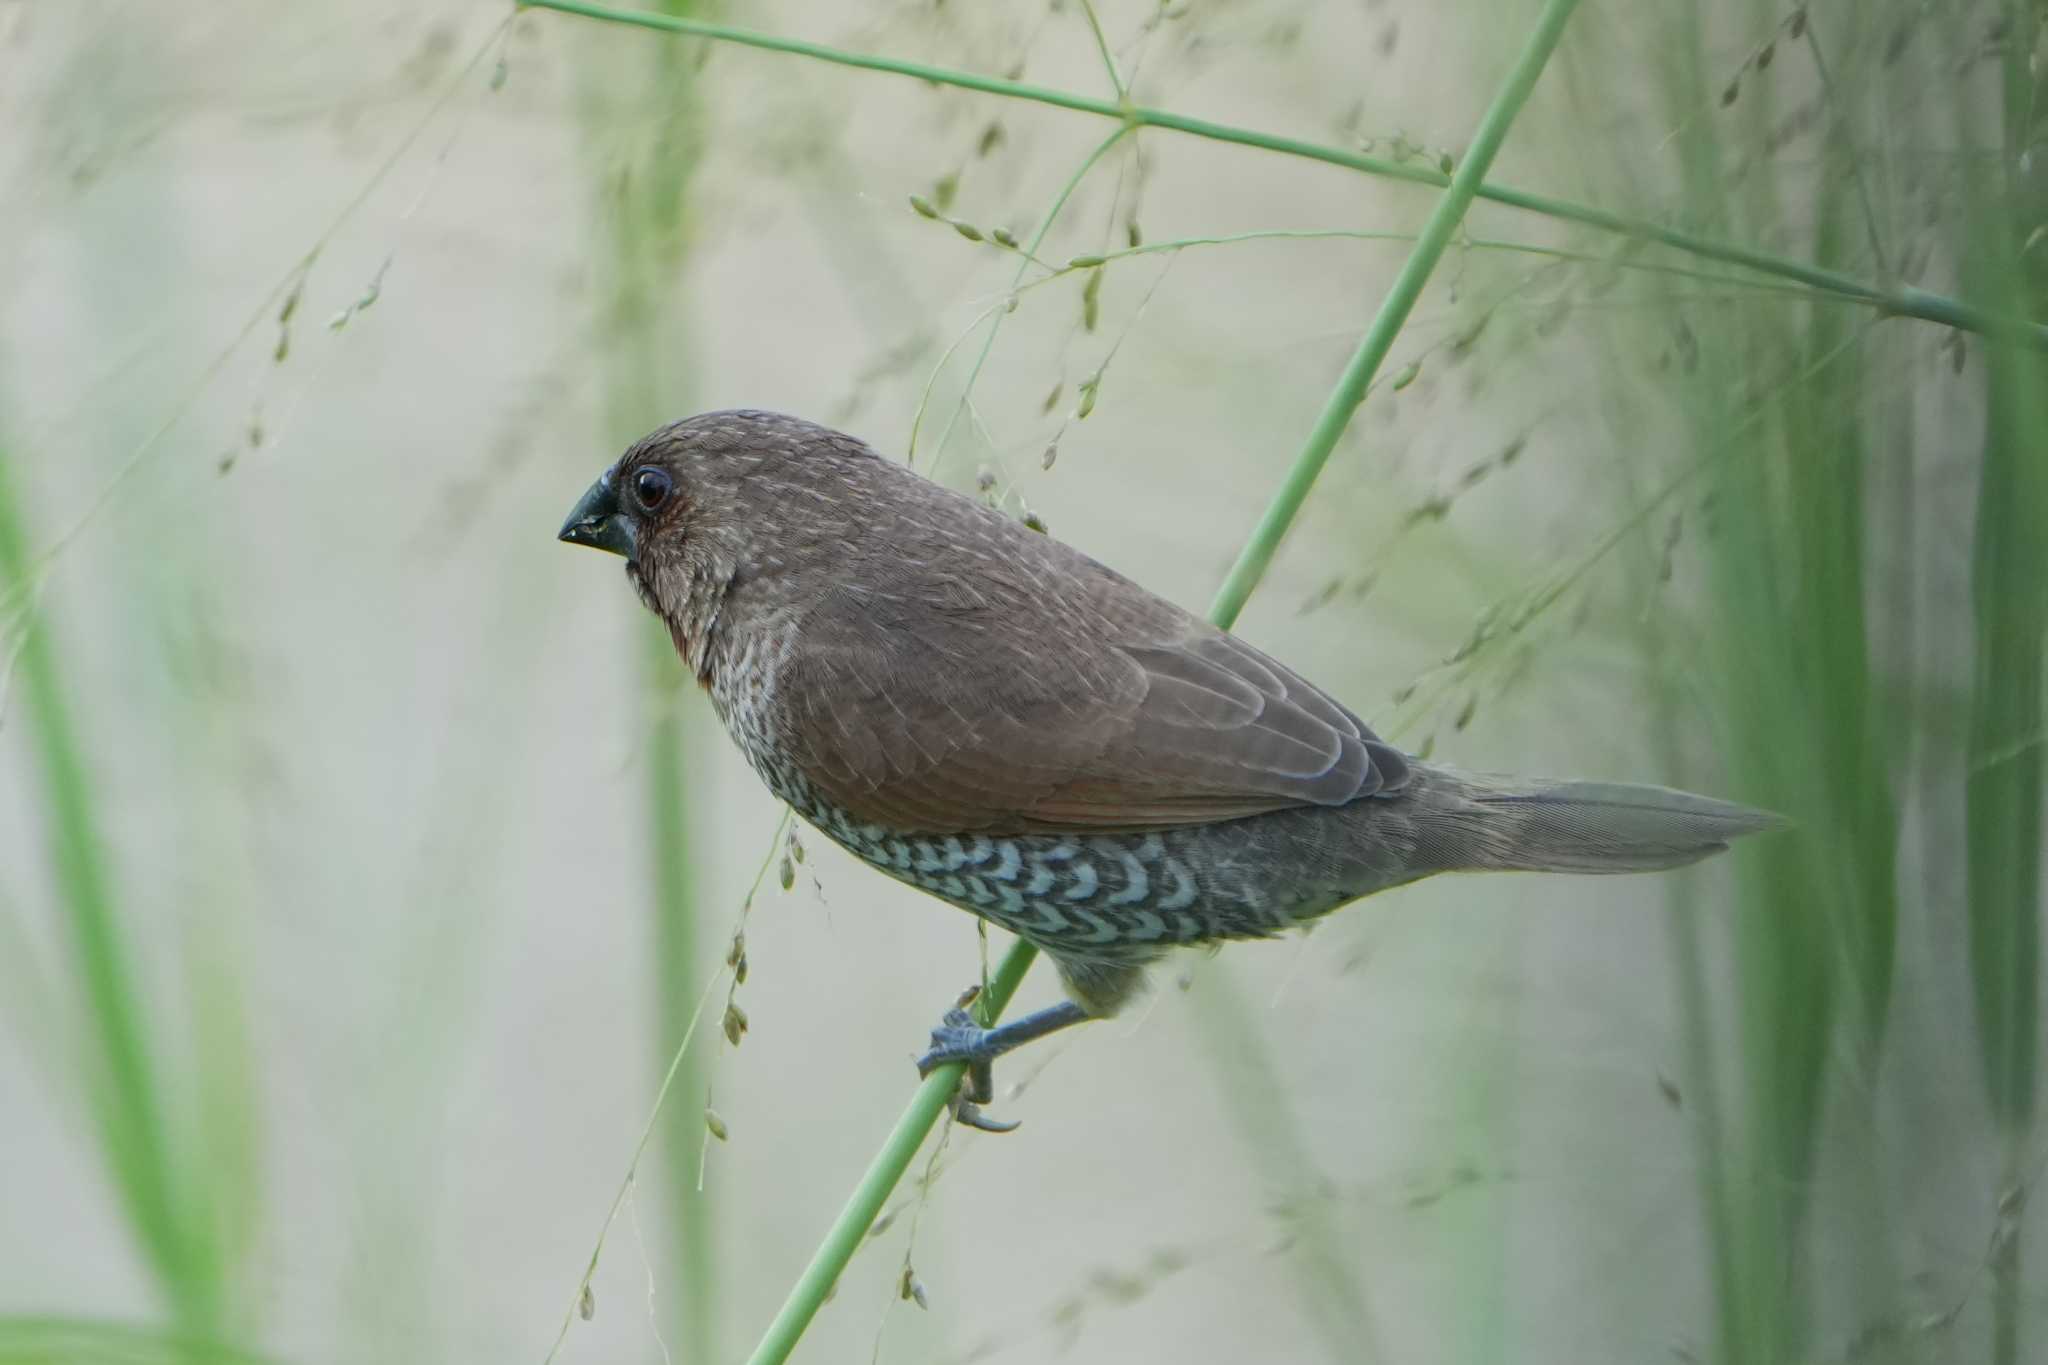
986	713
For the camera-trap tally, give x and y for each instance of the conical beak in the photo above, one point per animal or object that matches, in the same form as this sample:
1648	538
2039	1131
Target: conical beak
598	522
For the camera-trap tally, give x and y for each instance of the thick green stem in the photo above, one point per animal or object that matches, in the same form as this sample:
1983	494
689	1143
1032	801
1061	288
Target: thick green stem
811	1288
902	1145
1904	302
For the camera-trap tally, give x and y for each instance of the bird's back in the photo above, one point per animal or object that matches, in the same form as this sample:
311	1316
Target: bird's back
958	673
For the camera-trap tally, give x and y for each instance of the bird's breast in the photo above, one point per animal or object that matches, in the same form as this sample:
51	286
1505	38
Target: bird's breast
1103	894
744	680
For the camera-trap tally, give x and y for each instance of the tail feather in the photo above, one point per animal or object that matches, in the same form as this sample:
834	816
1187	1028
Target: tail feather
1513	824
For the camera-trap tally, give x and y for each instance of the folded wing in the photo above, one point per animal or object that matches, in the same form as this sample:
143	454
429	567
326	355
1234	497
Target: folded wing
1100	708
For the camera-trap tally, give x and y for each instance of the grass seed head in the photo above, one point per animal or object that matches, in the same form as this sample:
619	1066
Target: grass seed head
735	1023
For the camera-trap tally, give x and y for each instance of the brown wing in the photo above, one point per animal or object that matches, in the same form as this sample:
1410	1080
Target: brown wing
1054	695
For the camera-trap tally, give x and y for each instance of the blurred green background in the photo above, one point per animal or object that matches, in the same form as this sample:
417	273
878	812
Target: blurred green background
364	855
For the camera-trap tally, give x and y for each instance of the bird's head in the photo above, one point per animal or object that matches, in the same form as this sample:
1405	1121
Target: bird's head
726	497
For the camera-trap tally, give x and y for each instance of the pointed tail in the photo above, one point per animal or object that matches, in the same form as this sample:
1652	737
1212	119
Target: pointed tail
1473	822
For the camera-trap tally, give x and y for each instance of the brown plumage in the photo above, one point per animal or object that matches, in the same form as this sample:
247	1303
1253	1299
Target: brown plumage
993	716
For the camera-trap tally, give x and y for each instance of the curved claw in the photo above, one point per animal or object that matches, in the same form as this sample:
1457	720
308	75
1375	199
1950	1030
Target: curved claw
966	1111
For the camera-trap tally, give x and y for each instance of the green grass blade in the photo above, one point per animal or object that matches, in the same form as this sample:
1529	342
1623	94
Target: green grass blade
1807	727
2009	592
2003	794
2007	762
125	1088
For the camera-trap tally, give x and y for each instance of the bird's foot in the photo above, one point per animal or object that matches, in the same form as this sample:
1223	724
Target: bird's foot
960	1037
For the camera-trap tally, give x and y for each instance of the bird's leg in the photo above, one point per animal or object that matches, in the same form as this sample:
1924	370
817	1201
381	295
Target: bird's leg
961	1038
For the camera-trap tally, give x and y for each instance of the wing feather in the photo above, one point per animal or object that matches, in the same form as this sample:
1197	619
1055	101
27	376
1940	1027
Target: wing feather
1025	687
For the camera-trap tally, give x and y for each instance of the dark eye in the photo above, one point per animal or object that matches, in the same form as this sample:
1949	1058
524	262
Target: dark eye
651	487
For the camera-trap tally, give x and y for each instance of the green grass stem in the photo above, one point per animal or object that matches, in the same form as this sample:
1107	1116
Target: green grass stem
1557	255
2007	765
645	202
1901	301
1372	350
1116	77
898	1150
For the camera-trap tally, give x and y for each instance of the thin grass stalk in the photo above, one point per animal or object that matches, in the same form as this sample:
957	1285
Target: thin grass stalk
1116	77
1728	1167
646	198
1662	641
1818	933
690	1212
125	1088
2008	713
1372	350
1333	1300
903	1142
1897	301
2003	793
1829	477
1814	929
1787	997
1702	1080
995	325
1699	1075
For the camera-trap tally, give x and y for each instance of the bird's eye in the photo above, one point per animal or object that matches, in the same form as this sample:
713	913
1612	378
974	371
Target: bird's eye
651	487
